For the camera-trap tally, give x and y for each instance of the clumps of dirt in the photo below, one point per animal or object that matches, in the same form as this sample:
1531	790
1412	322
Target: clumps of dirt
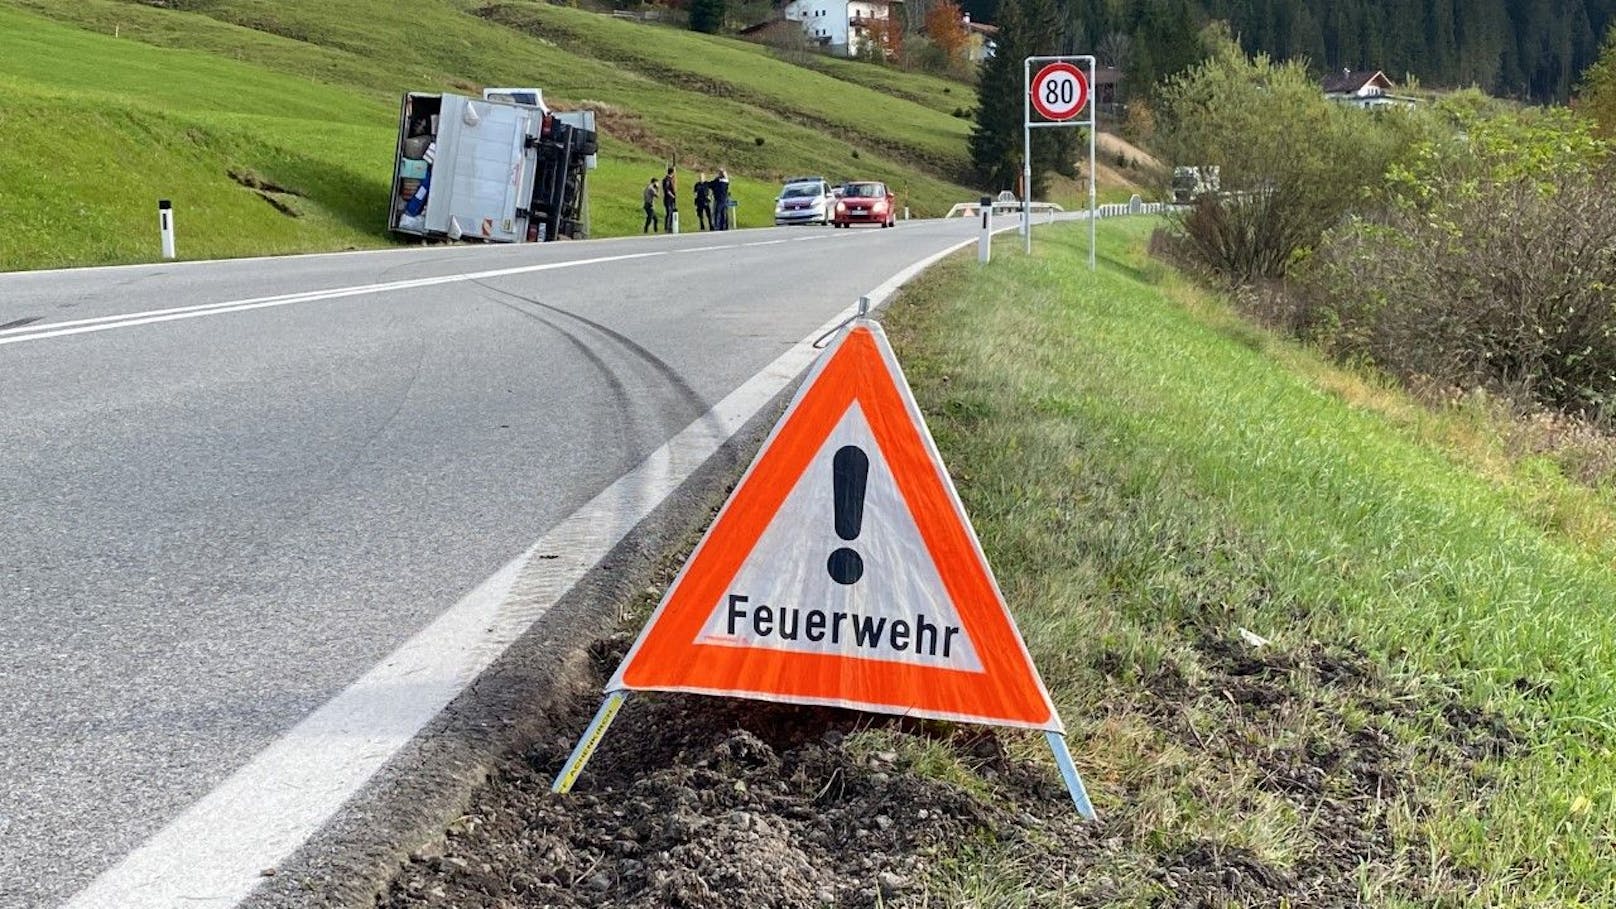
724	804
276	195
630	127
252	180
717	803
1210	874
1323	729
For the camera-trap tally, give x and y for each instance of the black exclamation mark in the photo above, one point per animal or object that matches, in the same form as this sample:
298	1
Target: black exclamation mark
849	469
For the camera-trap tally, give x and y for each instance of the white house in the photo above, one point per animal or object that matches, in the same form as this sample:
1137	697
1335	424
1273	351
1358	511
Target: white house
1368	89
841	26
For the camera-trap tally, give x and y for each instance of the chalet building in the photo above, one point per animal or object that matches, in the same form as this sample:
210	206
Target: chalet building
1368	89
840	26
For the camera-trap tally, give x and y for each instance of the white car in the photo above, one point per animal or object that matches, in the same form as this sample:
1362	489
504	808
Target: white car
805	201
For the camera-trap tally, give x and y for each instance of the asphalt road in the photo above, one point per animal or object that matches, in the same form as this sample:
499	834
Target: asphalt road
229	489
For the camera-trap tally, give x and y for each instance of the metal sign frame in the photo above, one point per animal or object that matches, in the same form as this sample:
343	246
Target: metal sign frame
1028	124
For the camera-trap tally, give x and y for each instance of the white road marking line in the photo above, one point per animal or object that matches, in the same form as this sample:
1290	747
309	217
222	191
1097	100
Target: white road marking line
212	853
767	242
129	320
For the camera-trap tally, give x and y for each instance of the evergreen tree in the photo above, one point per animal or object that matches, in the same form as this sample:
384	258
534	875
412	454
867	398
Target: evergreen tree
707	15
1052	149
996	138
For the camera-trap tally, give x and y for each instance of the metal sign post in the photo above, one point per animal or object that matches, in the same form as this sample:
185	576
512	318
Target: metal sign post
1060	92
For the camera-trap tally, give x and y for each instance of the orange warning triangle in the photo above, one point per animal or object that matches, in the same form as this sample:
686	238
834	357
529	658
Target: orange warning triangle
843	570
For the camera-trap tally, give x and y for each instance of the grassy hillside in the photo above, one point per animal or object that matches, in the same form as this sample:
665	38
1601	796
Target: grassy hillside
125	103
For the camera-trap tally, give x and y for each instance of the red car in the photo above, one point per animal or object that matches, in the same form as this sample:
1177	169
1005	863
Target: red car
866	203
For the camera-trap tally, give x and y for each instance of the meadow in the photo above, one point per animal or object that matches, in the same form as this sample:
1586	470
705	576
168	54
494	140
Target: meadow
109	106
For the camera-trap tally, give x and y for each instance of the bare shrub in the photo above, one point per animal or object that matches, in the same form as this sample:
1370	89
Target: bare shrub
1504	284
1247	236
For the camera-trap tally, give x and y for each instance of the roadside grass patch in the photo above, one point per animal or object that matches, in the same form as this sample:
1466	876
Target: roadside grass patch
1149	476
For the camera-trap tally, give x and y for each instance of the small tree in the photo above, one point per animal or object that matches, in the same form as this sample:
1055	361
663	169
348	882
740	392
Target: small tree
707	15
885	41
1291	163
1596	95
914	14
945	26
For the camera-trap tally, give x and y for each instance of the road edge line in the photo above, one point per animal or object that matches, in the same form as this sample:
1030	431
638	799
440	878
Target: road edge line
214	852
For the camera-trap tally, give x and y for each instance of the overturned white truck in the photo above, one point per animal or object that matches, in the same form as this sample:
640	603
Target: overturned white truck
502	168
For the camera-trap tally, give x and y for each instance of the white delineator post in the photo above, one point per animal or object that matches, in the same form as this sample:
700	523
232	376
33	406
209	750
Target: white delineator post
984	245
675	220
165	226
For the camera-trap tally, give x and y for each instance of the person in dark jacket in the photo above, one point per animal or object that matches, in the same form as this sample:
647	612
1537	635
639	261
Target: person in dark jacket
704	202
721	200
670	200
650	208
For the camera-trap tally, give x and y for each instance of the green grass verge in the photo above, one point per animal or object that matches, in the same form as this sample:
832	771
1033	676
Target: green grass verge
1149	475
87	164
124	103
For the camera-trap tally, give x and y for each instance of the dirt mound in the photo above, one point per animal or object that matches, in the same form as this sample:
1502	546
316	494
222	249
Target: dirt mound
692	804
1113	146
719	804
723	804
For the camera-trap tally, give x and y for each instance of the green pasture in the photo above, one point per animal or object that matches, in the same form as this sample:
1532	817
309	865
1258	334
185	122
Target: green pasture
108	105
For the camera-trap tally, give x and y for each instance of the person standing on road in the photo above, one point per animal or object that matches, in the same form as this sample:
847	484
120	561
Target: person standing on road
721	200
704	202
650	208
670	200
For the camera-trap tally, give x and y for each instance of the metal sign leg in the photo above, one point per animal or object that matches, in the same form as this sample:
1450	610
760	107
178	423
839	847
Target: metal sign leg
1074	783
586	746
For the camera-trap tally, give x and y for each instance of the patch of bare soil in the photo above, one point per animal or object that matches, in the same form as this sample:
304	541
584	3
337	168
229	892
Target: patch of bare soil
1111	145
1323	729
279	197
704	802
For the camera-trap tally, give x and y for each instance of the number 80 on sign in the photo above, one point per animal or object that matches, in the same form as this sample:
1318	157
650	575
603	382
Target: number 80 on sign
1059	91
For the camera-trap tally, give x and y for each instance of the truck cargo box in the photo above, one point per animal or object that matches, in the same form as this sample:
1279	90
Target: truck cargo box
488	169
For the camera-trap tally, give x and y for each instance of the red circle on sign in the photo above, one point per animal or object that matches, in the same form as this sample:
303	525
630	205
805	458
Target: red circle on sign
1059	91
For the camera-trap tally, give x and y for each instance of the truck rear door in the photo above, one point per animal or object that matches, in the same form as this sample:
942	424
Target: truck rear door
483	171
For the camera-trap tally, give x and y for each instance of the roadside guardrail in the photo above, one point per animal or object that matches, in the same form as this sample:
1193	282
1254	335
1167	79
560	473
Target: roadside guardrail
1012	207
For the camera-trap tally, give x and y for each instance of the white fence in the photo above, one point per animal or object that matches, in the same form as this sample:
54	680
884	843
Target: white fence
972	209
1118	209
1113	210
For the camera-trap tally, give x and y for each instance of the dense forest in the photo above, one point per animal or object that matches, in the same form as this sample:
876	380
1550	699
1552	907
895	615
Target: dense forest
1530	49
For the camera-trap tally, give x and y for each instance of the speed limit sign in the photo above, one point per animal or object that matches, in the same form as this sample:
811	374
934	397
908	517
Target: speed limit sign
1059	91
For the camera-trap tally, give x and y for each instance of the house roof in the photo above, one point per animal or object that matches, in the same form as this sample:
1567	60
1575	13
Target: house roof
982	28
764	25
1348	81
